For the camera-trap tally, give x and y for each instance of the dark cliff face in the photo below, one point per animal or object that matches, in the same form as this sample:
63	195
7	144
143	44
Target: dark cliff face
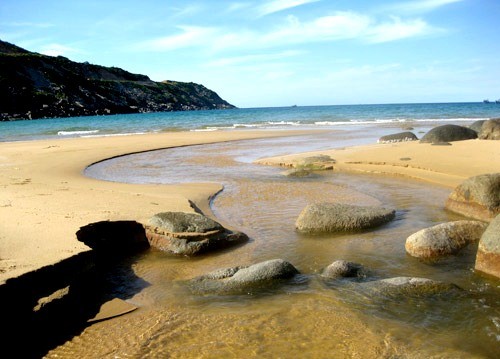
37	86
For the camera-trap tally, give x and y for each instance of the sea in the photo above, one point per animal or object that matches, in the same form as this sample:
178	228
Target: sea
303	117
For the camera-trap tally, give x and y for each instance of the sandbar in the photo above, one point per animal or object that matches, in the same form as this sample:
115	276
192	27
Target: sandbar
446	165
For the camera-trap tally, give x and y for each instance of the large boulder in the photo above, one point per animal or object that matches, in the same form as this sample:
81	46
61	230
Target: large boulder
477	197
444	239
189	233
244	279
315	163
490	130
448	133
337	217
343	269
398	137
488	252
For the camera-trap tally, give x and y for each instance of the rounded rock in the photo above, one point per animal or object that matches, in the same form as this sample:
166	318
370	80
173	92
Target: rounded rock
444	239
338	217
448	133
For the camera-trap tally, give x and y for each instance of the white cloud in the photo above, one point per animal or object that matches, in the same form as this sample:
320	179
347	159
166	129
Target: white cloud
338	26
271	7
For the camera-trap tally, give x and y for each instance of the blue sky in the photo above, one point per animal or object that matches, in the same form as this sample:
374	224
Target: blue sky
279	52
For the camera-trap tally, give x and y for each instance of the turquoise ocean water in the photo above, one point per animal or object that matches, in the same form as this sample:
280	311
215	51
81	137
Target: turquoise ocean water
252	118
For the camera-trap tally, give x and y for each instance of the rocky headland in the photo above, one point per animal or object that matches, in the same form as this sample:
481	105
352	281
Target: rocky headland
36	86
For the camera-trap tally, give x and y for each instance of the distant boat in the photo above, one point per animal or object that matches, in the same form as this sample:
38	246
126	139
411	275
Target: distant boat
296	105
497	101
486	101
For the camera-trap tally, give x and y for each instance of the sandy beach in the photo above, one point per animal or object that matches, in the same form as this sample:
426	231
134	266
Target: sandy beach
45	197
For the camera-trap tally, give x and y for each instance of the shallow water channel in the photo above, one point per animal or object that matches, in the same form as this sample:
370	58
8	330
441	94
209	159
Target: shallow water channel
308	317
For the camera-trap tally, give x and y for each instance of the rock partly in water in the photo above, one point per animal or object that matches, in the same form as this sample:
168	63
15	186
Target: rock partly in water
490	130
189	233
488	252
448	133
444	239
477	125
338	217
477	197
343	269
179	222
315	163
398	137
244	279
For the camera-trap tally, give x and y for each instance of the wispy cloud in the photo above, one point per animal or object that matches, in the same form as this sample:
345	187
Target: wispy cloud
271	7
398	29
335	27
347	25
421	6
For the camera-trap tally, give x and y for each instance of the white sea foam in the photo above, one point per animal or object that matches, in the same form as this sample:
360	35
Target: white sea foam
76	133
114	134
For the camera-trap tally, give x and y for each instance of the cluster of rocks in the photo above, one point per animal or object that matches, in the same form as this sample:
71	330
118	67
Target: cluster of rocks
273	273
482	129
477	197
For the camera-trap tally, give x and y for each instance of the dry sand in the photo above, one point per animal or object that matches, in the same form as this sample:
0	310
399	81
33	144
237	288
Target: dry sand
45	198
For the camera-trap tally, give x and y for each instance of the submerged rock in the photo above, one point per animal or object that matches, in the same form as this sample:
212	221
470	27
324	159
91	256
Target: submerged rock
477	197
343	269
315	163
444	239
448	133
488	252
490	130
398	137
338	217
242	279
409	286
297	173
189	233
